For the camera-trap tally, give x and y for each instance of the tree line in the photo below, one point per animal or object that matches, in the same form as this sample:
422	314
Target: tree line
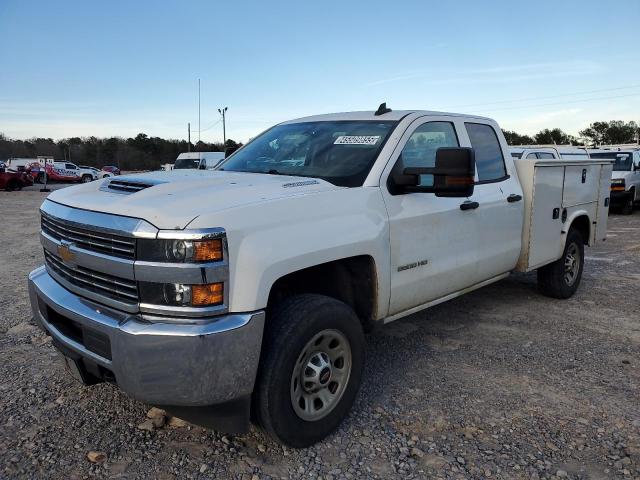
614	132
138	153
148	153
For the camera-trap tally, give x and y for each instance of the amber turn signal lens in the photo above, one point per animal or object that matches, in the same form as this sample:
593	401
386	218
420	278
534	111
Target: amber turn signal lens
208	294
207	250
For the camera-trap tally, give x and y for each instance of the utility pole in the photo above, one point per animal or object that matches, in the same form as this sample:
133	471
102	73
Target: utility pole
198	110
222	112
189	137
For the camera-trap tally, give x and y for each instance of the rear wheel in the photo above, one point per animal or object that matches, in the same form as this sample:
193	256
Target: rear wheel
561	278
310	369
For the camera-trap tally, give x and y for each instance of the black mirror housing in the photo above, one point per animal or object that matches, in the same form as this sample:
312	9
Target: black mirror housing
453	174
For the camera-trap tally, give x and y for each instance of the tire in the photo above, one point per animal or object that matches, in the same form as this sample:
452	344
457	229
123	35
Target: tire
106	175
86	178
13	185
627	208
297	346
555	280
40	178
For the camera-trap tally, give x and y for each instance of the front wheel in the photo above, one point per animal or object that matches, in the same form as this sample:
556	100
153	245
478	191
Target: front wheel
627	208
310	369
561	278
86	178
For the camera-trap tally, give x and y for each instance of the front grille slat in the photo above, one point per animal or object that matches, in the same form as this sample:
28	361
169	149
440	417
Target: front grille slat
101	283
88	239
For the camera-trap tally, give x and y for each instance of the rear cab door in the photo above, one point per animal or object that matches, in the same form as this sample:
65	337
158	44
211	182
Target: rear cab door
499	195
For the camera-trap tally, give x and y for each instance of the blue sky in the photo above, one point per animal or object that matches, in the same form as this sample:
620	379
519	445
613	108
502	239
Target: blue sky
119	68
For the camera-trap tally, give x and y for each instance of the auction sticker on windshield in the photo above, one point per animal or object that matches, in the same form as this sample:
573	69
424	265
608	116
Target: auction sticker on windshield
357	140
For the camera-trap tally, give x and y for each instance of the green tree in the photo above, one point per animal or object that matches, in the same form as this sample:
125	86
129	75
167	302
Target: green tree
612	132
514	138
554	137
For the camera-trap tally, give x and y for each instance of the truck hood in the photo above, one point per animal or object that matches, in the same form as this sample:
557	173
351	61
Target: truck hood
171	200
617	174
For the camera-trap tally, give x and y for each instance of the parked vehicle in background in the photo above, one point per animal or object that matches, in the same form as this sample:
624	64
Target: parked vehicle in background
109	171
245	291
11	180
21	164
198	160
88	174
567	152
625	177
533	153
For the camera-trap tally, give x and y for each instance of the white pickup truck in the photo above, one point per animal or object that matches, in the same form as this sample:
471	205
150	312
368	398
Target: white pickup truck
245	292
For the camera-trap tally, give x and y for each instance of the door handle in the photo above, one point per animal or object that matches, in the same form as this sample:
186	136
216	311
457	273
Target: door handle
468	205
514	198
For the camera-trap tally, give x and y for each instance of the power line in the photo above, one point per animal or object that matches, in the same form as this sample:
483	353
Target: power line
546	97
565	103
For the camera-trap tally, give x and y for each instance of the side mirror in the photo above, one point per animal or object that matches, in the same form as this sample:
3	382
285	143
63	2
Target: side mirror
453	174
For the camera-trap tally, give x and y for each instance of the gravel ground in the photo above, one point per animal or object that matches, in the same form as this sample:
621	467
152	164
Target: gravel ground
501	383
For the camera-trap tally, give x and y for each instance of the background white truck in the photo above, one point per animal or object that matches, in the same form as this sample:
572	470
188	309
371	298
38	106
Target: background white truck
198	160
625	177
248	289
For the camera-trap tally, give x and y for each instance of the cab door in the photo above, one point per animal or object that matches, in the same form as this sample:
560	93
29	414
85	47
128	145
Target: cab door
434	242
501	205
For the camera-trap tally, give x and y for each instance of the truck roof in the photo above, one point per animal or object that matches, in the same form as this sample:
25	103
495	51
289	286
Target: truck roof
394	115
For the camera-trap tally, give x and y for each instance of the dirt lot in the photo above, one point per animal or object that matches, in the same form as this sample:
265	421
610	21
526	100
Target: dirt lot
501	383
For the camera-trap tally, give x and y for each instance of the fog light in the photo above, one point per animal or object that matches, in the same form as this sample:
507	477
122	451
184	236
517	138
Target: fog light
177	294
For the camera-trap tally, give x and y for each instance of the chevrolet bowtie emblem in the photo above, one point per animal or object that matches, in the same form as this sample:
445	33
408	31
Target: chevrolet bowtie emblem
65	253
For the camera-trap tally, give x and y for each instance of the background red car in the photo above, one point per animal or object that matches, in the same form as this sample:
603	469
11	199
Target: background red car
11	180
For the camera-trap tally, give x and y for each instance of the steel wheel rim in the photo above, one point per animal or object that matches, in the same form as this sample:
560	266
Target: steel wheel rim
321	375
571	264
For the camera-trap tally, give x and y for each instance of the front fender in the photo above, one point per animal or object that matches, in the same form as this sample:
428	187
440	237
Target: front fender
272	239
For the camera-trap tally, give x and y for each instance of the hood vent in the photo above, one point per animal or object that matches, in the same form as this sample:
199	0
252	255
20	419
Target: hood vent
126	186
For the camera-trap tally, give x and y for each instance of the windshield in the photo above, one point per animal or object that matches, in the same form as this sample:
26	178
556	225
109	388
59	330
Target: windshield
622	160
183	163
340	152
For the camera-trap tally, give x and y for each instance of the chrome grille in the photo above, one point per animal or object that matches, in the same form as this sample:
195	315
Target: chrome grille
101	283
116	245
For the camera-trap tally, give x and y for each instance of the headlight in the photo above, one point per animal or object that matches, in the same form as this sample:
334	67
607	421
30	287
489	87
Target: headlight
180	251
181	295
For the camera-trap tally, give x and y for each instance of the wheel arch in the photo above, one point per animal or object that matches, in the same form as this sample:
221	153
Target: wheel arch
582	223
351	280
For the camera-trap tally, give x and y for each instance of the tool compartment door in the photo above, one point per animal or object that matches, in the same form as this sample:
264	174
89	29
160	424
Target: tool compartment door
580	184
545	235
603	203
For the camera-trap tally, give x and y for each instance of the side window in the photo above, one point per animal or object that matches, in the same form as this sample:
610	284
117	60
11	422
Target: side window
489	159
545	155
420	149
70	166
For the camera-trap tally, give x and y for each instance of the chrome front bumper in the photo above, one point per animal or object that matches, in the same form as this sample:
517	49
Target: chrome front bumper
157	363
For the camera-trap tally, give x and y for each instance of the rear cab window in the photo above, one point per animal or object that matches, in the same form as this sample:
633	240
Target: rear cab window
488	152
